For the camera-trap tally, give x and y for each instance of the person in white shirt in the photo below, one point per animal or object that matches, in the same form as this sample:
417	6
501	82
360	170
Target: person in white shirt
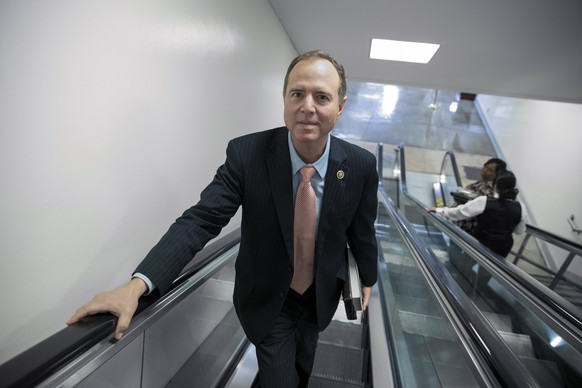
498	217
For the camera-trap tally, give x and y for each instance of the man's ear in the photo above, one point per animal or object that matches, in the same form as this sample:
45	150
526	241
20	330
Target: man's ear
342	105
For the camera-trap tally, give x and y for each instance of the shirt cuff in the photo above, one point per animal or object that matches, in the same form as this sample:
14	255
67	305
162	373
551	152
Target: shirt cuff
146	280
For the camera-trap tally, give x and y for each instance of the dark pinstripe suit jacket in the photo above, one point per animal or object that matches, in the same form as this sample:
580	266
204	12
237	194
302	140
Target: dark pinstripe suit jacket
257	175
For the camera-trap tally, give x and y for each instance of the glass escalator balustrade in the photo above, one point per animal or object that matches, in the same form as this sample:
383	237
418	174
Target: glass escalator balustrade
539	345
428	351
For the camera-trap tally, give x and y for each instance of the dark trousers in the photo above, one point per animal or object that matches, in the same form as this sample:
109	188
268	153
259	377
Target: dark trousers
286	356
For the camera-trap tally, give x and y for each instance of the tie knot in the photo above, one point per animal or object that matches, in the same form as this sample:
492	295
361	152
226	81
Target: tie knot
307	172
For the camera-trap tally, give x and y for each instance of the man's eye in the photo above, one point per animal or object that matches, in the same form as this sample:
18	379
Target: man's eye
323	98
295	94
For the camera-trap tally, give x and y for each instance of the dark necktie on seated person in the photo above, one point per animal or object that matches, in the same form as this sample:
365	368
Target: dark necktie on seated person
304	230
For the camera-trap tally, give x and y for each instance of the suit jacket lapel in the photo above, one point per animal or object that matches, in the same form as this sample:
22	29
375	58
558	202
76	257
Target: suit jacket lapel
280	180
337	170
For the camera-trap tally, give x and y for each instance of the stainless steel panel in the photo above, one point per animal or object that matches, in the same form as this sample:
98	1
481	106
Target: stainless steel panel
121	370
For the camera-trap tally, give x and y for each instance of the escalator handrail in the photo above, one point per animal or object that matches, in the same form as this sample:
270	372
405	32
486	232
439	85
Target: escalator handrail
39	362
557	305
483	334
451	156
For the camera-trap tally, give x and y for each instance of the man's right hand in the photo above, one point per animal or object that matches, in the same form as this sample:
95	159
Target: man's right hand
121	302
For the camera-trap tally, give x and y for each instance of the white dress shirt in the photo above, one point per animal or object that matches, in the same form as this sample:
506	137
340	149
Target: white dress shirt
475	207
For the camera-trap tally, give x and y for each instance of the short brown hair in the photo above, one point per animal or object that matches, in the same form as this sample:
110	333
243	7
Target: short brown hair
323	55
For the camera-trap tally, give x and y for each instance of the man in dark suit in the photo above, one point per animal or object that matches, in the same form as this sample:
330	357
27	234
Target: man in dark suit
261	174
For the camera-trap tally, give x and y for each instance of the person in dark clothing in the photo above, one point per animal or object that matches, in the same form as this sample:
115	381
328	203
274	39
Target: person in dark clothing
498	217
289	274
484	186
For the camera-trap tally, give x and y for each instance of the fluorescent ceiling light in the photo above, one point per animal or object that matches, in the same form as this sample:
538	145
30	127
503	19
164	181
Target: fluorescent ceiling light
397	50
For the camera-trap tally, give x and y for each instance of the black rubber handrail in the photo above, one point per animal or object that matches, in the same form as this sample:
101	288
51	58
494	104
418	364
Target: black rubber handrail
36	364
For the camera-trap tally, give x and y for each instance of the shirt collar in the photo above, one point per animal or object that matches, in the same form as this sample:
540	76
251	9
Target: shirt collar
296	162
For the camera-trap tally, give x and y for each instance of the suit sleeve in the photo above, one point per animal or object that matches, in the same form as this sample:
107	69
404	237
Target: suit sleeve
362	231
218	203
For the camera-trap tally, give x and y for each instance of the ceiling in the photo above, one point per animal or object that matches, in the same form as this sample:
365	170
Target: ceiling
519	48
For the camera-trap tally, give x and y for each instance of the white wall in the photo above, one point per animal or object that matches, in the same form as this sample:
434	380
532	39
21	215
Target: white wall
542	143
113	117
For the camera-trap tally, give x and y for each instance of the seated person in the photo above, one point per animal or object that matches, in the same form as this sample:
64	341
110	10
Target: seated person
498	216
483	186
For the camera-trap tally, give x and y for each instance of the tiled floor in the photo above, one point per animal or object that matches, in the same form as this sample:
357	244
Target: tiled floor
421	119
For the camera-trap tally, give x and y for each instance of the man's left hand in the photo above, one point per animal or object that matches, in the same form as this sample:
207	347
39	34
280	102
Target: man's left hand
366	291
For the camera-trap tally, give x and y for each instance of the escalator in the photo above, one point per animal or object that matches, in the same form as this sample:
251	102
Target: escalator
191	331
444	313
431	349
409	337
191	337
540	328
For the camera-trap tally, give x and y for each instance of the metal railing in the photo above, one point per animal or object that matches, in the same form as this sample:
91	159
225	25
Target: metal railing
571	247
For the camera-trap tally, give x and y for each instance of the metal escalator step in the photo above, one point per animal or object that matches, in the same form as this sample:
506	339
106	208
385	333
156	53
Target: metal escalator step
343	334
520	344
499	322
317	381
338	364
546	373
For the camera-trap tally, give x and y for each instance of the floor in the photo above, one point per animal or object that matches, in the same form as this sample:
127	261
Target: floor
428	122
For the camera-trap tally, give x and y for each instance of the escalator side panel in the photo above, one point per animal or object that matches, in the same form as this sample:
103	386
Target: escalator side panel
382	372
213	357
177	335
121	370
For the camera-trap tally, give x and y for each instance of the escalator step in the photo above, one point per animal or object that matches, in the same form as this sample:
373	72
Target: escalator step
546	373
338	364
343	334
520	344
499	322
324	382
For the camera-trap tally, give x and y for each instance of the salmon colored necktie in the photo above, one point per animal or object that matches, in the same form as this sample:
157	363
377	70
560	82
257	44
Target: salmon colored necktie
304	232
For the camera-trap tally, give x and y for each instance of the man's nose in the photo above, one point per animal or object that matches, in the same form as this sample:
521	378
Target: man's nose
308	104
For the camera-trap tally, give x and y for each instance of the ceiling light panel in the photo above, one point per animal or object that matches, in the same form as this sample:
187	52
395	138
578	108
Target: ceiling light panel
398	50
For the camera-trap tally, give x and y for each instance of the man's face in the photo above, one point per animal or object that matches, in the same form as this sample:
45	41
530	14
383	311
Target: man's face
311	101
488	172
